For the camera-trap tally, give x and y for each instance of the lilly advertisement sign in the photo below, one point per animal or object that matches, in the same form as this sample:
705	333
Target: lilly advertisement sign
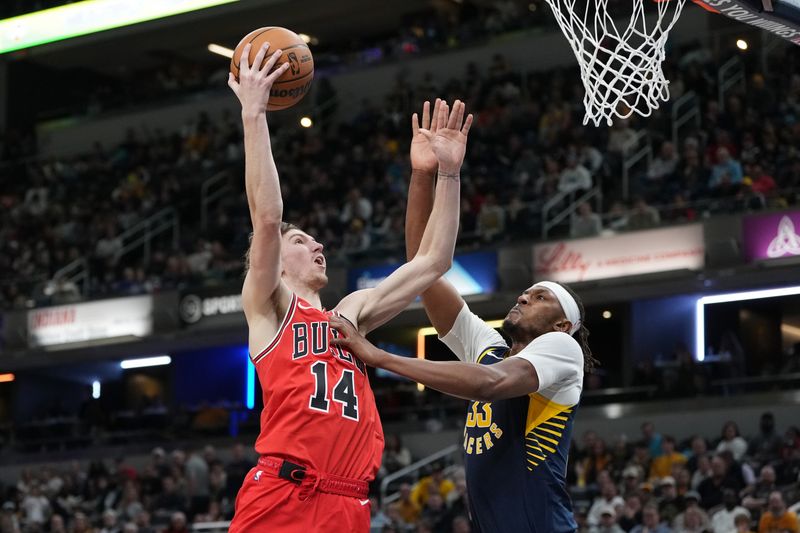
771	236
473	273
626	254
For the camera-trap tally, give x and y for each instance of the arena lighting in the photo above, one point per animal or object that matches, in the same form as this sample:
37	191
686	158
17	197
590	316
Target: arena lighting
89	16
426	332
96	390
306	122
741	44
158	360
606	314
700	318
220	50
306	38
7	378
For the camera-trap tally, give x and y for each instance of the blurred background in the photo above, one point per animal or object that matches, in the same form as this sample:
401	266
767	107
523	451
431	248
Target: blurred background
127	401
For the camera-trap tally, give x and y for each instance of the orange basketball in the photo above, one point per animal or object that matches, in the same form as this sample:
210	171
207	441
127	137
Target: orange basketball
293	85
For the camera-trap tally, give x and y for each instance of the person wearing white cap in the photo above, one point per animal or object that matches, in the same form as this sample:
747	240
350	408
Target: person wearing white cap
524	395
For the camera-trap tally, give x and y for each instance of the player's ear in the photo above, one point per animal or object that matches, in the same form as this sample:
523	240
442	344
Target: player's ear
563	325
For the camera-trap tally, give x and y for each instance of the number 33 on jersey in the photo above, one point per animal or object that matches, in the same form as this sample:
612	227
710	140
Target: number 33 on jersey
316	393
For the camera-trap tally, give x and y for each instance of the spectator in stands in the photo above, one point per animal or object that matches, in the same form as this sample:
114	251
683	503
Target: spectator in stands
408	507
621	138
778	517
766	446
670	504
699	447
395	455
177	523
434	512
587	223
692	522
642	215
575	177
726	170
663	464
356	207
662	168
711	490
435	483
491	219
756	497
722	520
732	441
692	502
36	507
651	521
608	498
607	522
595	462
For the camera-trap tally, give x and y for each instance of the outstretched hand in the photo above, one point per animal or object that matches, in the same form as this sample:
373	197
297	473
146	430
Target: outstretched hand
354	342
252	88
422	157
448	136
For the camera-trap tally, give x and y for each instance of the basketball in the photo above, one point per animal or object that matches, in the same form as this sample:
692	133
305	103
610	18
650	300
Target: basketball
293	85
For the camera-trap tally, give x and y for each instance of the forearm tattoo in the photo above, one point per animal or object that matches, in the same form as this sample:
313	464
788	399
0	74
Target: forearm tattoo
449	176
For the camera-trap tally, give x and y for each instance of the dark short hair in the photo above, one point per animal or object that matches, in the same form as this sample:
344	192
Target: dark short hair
286	227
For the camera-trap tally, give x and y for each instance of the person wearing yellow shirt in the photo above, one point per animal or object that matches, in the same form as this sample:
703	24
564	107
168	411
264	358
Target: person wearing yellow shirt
778	519
662	465
408	508
435	482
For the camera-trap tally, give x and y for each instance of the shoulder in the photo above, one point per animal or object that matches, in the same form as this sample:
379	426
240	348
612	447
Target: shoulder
558	342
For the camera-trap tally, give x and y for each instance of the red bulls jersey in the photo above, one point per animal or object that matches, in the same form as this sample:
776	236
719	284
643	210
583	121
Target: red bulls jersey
319	409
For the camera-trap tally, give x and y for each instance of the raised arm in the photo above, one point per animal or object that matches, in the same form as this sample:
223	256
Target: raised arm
442	301
372	307
263	293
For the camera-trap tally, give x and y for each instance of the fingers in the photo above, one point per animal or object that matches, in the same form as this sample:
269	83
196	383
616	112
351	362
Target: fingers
232	83
414	125
277	73
437	106
444	112
426	115
270	64
456	116
259	60
340	325
244	59
467	125
427	133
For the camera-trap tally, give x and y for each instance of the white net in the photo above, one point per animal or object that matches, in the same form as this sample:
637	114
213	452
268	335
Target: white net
621	70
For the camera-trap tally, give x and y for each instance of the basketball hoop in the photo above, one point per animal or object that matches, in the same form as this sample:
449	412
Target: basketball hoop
621	70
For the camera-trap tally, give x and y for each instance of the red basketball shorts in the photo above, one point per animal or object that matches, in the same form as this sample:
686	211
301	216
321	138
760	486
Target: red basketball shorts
269	504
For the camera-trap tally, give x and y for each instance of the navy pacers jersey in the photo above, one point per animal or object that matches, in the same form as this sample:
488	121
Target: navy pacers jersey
516	450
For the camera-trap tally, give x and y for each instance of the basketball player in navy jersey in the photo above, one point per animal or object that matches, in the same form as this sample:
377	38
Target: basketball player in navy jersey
519	422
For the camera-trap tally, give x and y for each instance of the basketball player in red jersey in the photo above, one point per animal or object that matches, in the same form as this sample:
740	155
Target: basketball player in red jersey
321	439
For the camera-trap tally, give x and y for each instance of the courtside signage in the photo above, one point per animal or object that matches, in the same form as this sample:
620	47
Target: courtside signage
106	319
628	254
474	273
771	236
89	16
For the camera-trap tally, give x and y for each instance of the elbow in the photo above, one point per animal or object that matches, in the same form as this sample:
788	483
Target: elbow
267	221
441	264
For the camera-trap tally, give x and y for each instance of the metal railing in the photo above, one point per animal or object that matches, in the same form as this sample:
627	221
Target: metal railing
549	223
77	272
142	234
414	467
212	190
642	139
729	76
685	110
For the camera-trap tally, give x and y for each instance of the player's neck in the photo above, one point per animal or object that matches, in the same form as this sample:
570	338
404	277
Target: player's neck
308	294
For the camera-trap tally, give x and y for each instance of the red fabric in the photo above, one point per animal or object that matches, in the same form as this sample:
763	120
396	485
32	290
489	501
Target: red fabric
270	504
323	440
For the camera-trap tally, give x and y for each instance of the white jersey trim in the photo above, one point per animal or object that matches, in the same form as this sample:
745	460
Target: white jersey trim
287	319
